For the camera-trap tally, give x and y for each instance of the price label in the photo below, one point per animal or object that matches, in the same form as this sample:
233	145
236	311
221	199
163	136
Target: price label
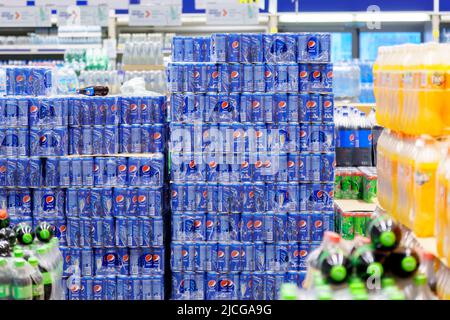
221	12
25	16
155	14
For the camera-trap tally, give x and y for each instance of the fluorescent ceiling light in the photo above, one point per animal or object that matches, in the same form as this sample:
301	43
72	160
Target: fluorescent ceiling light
392	17
316	17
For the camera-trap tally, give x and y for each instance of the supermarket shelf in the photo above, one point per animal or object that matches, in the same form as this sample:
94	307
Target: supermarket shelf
367	105
143	67
43	49
349	205
165	52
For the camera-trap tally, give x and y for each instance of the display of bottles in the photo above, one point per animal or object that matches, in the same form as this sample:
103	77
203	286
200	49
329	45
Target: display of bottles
411	88
407	168
354	137
142	53
346	84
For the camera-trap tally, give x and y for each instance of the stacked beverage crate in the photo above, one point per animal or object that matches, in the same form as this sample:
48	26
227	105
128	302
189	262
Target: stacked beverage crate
252	161
94	168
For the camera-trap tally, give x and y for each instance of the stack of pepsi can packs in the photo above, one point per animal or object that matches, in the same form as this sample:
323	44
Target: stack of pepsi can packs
252	162
24	81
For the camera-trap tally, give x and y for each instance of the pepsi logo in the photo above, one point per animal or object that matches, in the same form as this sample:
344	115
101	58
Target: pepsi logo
291	164
196	74
215	74
156	258
212	283
318	224
331	193
296	253
145	168
249	225
258	134
212	164
302	133
43	139
244	165
226	283
311	104
258	164
68	258
20	78
134	199
34	109
205	194
351	137
120	198
242	253
125	258
2	169
235	254
156	136
267	164
142	199
320	194
110	258
26	199
302	223
197	223
257	224
133	107
251	194
303	253
235	44
143	106
192	164
103	108
122	168
330	74
184	253
234	74
206	134
316	74
174	194
209	224
74	288
282	104
113	108
327	104
370	137
49	199
220	254
268	74
62	228
97	288
300	164
303	74
148	258
96	168
132	168
224	104
311	44
255	104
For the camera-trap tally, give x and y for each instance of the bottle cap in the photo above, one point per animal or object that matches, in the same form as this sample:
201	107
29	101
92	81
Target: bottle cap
387	238
338	273
357	286
420	279
3	214
44	234
19	263
3	262
375	269
289	291
18	253
27	238
33	261
41	250
360	295
387	282
409	263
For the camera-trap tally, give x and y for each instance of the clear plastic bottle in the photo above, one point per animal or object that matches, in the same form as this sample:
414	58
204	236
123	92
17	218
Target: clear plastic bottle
21	286
419	290
37	279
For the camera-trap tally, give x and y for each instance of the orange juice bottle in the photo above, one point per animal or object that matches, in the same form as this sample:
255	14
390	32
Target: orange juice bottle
445	52
381	169
407	85
442	183
392	173
404	178
427	158
432	91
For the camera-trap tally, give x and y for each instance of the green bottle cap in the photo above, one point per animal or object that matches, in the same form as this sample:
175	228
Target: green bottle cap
288	291
360	295
33	261
18	253
375	268
409	263
41	250
387	282
420	280
354	279
387	238
44	234
19	263
357	286
27	238
3	262
338	273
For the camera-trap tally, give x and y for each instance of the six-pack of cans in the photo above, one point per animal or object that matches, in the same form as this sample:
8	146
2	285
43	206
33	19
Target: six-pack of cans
24	80
251	161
